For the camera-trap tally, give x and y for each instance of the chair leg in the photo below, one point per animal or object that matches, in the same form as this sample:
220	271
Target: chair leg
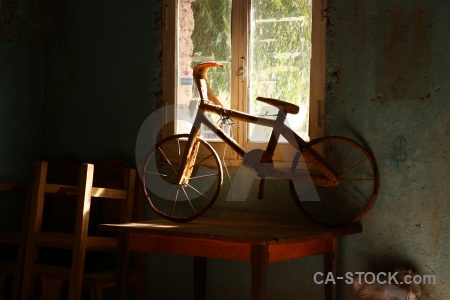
3	278
37	206
81	229
97	293
51	288
18	276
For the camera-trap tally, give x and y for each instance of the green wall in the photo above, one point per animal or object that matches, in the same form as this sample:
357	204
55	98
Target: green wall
388	71
103	79
386	87
21	107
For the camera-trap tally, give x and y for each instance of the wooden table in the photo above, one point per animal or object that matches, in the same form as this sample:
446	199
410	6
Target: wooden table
257	242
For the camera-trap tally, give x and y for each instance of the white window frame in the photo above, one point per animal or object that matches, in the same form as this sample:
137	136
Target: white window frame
242	19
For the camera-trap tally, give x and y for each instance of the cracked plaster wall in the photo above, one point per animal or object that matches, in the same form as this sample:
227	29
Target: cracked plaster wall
388	70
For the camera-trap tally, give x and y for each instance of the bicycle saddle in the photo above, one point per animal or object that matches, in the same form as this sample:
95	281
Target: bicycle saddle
200	76
288	107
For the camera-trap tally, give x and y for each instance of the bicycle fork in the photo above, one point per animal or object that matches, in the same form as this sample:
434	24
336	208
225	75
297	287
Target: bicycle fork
189	156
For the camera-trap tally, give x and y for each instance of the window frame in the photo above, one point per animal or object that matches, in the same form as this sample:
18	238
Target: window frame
241	19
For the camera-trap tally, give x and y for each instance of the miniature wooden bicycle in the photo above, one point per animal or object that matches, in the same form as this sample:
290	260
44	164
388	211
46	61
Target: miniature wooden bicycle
333	180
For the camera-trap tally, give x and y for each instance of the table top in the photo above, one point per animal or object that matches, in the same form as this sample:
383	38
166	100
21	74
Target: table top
236	230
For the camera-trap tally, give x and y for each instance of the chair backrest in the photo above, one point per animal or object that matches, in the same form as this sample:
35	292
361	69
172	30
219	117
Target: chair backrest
113	197
114	193
114	184
37	237
60	211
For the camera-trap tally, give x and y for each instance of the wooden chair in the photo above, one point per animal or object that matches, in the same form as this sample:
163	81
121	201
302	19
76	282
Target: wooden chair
80	242
110	174
13	241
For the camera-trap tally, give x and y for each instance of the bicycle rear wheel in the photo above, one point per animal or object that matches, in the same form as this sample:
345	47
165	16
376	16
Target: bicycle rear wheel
181	203
348	201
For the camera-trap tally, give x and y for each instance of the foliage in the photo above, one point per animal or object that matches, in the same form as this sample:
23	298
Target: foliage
212	38
281	48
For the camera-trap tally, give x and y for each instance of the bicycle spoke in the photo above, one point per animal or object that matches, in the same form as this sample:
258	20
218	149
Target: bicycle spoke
357	180
159	174
168	161
353	196
211	155
189	200
354	167
162	188
314	189
174	203
336	201
200	193
322	207
203	176
345	159
330	151
323	204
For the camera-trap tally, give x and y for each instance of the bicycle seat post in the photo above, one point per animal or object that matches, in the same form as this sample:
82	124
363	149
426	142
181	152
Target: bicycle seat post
275	135
270	149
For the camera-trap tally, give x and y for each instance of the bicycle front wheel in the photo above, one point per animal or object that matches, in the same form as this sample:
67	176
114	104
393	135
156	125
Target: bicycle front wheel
167	198
357	188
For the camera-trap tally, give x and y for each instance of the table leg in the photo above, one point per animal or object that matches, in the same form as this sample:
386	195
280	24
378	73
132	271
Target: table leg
123	257
330	265
260	265
199	278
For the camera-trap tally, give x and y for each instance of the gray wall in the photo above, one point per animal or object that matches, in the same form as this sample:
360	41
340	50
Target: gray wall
387	86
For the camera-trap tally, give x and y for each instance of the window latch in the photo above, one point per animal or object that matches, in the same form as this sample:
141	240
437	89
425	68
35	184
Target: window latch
241	71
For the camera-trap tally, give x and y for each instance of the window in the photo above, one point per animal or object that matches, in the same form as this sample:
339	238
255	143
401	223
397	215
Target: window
269	48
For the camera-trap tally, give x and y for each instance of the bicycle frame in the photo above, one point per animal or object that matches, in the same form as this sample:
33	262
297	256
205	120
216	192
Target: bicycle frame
345	171
261	164
327	177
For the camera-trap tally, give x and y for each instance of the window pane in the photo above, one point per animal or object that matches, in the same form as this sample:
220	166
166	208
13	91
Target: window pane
204	35
280	60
